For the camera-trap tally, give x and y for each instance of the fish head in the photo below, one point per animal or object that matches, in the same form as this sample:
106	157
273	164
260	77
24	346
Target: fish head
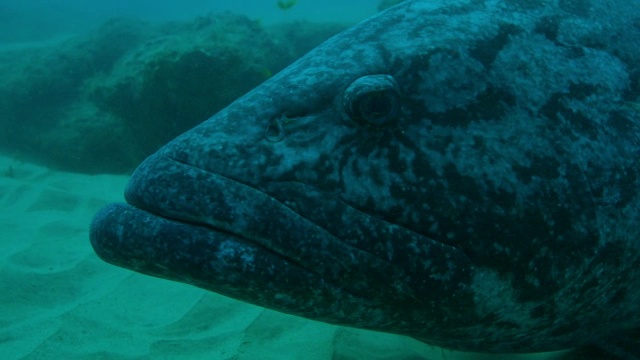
402	177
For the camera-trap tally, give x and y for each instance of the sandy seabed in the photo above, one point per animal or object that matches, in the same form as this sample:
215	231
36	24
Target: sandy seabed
59	301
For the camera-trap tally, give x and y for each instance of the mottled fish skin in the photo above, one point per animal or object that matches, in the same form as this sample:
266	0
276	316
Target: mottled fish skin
464	172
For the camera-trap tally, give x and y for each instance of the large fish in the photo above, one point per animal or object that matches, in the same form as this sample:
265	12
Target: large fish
464	172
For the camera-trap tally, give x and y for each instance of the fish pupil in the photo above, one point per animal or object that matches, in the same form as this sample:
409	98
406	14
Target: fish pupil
379	107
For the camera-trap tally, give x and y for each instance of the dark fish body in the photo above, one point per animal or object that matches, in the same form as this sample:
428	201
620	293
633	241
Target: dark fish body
462	172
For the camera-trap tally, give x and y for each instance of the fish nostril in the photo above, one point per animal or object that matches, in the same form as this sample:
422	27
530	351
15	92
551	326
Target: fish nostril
275	131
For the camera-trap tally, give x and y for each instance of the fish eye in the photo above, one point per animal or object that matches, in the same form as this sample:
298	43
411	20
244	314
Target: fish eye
373	100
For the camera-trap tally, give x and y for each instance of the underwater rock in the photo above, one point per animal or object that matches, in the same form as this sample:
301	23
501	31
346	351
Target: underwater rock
147	82
43	84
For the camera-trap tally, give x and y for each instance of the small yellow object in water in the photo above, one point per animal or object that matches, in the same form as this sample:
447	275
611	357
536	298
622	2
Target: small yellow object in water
266	72
286	4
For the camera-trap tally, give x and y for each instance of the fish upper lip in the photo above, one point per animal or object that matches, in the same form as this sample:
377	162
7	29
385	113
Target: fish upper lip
212	223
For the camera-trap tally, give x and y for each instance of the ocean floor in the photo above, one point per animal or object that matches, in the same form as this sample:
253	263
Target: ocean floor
59	301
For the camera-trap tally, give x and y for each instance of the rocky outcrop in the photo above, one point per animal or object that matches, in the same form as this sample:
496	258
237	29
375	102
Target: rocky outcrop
105	101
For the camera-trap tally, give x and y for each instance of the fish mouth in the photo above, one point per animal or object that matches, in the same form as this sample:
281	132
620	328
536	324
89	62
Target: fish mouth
332	263
191	225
